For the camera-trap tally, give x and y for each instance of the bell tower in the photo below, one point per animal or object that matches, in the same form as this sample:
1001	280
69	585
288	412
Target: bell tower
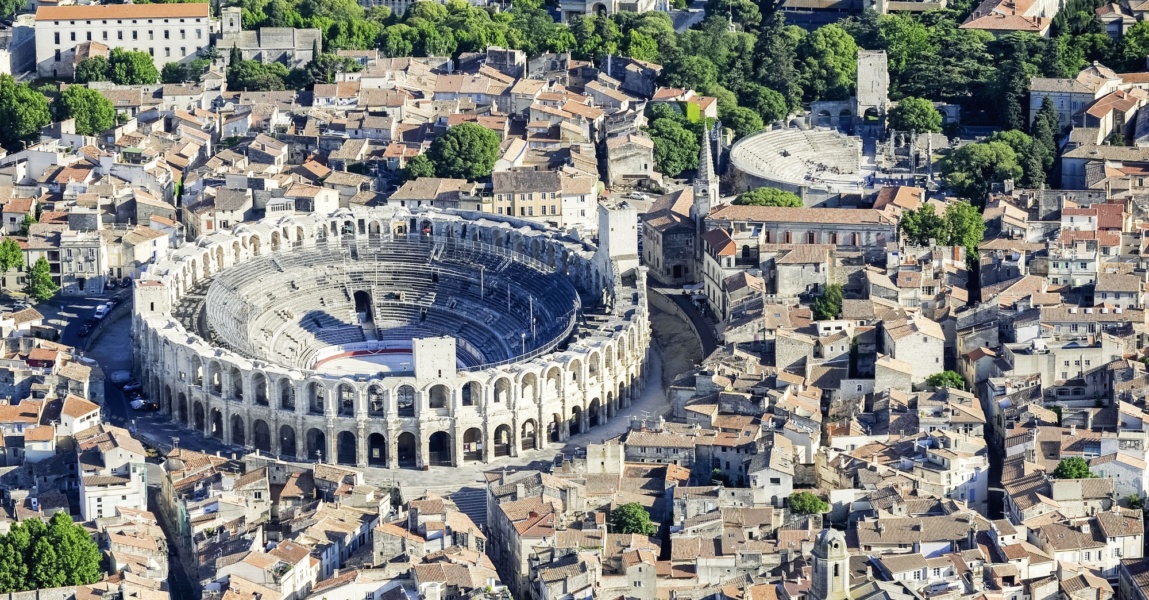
831	579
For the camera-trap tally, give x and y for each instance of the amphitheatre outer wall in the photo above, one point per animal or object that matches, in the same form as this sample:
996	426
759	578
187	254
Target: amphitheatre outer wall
449	416
788	159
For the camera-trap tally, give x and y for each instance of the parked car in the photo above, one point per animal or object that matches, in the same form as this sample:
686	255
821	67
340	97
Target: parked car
102	311
126	283
151	406
637	196
133	386
86	328
120	377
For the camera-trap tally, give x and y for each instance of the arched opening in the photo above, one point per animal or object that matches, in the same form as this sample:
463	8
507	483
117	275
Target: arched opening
405	401
197	371
346	400
576	420
823	119
503	440
235	252
438	396
275	241
503	391
529	385
286	395
259	388
595	413
255	245
216	424
345	448
363	306
439	449
238	435
182	409
528	436
215	379
556	428
287	441
872	116
473	444
315	393
198	416
376	450
316	445
554	379
375	406
236	383
406	449
471	392
261	436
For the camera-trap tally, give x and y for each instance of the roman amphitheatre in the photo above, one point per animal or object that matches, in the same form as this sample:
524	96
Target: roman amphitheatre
391	337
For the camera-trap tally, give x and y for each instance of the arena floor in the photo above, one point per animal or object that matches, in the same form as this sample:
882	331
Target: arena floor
391	361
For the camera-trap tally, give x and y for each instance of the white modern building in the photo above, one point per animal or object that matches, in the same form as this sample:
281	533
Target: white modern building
112	471
168	32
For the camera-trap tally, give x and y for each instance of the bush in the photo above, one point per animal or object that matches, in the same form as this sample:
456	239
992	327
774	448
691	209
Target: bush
1073	467
805	503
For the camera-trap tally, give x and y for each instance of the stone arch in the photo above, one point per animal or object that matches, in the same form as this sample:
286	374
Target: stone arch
503	440
528	437
167	400
408	449
529	387
287	441
275	241
218	258
574	368
287	394
235	252
236	378
502	390
376	447
316	398
259	388
556	427
182	408
256	245
346	449
376	405
823	118
473	444
405	400
215	378
238	431
576	420
439	449
345	399
316	445
471	394
216	423
553	381
594	413
261	435
438	396
198	417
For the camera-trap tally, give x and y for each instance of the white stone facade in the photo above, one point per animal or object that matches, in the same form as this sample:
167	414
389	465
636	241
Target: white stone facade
439	414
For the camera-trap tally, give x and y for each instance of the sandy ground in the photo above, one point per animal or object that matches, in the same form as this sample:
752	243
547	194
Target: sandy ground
678	345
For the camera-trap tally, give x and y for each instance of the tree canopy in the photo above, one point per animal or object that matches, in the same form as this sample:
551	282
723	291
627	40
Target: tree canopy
631	518
946	379
92	111
465	151
829	304
805	503
768	197
35	555
1073	467
971	170
915	114
23	112
11	256
962	225
131	67
38	284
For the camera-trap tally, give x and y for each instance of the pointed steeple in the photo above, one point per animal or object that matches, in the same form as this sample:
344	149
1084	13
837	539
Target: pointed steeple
706	181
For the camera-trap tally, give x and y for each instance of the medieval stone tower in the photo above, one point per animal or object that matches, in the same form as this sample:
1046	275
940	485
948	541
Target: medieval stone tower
831	579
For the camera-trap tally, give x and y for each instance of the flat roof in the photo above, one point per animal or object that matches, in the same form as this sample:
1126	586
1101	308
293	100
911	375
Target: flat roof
121	11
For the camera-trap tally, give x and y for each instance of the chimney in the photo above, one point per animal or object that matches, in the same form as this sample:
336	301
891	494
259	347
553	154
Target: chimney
1073	430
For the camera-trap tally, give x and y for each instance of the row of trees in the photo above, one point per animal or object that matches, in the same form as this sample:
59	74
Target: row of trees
35	555
25	110
254	75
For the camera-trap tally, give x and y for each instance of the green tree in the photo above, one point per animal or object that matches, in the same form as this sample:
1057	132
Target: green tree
964	227
946	379
970	170
26	224
13	569
829	64
8	8
1134	47
776	55
130	67
1134	501
77	557
419	166
93	69
718	477
769	104
742	13
253	75
1029	155
829	304
641	46
768	197
92	111
915	114
174	73
11	256
805	503
631	518
1045	130
465	151
324	67
922	225
676	148
690	72
742	120
23	112
39	284
44	571
1073	467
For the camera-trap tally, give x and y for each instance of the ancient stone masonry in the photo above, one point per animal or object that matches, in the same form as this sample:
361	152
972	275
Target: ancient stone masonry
514	335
